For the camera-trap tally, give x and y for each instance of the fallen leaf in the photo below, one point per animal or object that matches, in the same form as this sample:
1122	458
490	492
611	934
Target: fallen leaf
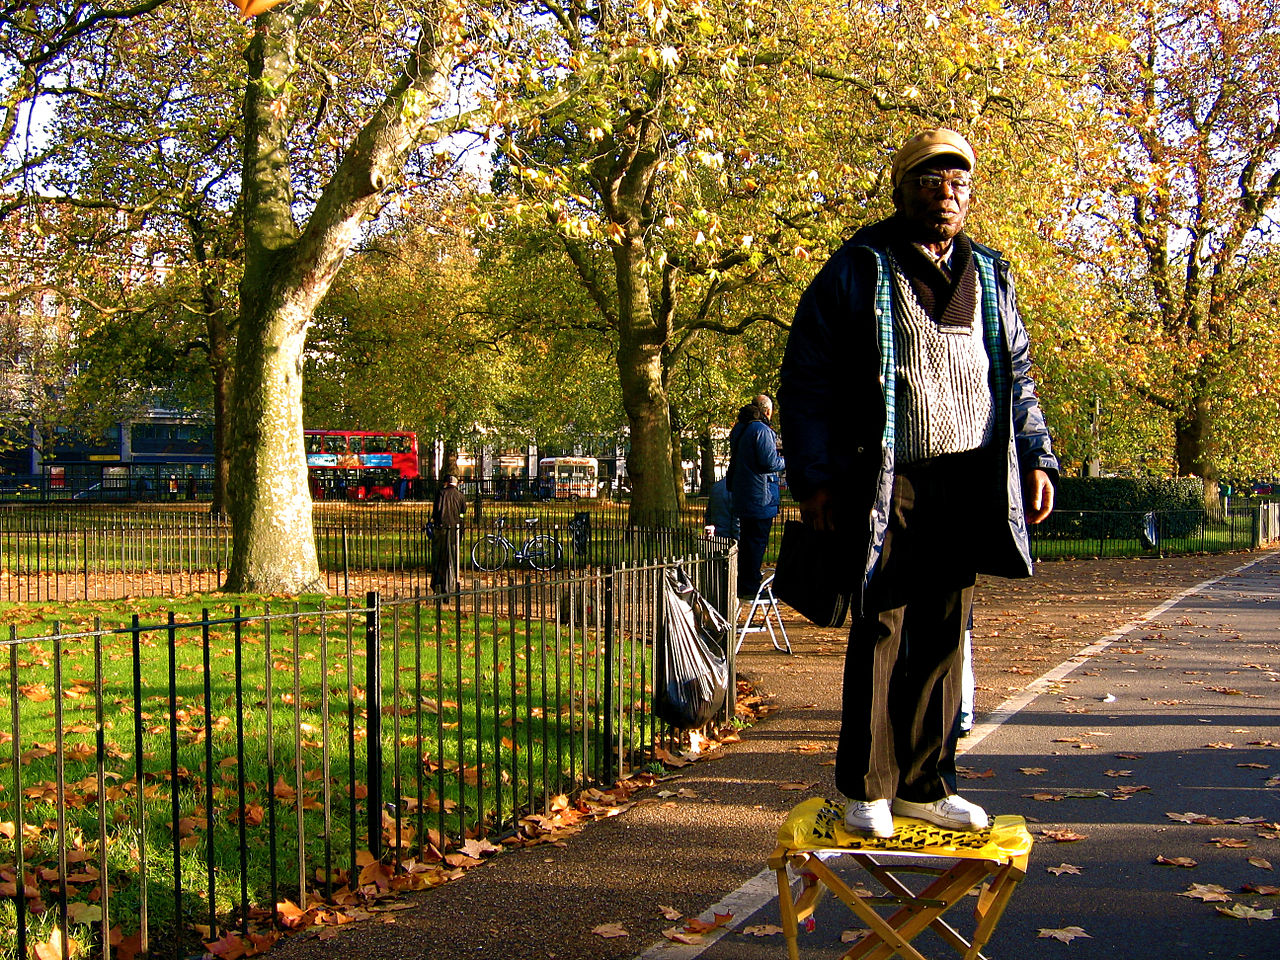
1033	771
853	936
1064	836
700	926
1262	889
1063	868
80	912
608	930
794	786
1192	818
1118	773
1242	912
1044	797
762	930
1260	863
55	948
1207	892
671	913
1066	934
1234	843
676	935
1176	861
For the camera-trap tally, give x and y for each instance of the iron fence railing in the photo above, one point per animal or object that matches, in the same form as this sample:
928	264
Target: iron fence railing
168	776
1107	533
100	552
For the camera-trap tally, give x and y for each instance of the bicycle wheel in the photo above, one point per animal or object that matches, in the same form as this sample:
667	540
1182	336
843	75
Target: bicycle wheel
491	553
542	552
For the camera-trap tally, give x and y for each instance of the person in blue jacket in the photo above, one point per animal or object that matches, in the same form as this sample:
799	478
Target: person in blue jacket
914	430
752	479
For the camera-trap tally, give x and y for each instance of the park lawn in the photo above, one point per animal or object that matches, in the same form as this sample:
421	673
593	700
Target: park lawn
491	712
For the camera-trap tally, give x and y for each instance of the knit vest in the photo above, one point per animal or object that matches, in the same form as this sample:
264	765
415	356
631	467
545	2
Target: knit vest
943	392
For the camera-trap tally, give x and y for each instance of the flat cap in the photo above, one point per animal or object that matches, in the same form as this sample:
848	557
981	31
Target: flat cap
928	144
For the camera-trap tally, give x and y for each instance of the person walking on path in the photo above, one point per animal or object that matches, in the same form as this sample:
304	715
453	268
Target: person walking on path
446	517
752	479
913	427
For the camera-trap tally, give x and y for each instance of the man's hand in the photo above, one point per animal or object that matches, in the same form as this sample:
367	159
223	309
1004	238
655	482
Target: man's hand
1037	496
817	511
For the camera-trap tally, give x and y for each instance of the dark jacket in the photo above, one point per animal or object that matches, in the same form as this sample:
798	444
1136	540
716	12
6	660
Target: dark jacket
449	508
837	409
754	464
720	511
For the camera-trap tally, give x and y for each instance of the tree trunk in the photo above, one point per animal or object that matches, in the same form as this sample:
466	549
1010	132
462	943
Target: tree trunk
707	457
1193	447
644	395
274	548
653	490
677	470
677	455
221	419
287	271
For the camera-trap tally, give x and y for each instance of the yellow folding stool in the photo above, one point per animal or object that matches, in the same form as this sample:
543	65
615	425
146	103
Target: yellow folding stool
994	859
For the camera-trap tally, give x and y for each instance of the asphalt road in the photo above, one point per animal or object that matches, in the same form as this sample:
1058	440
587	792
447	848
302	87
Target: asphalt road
1185	704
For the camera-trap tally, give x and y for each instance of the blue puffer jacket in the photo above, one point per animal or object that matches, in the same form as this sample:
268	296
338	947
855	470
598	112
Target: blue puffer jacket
753	470
837	400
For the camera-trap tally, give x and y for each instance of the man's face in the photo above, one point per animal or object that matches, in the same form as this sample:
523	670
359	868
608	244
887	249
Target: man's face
936	207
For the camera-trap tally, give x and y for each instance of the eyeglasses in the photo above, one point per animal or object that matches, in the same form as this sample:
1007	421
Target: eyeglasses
934	182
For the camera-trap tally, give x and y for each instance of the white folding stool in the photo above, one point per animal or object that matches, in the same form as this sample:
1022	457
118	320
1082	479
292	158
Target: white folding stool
765	603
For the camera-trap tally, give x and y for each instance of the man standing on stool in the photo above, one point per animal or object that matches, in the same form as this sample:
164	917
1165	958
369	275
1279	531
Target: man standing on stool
913	427
752	479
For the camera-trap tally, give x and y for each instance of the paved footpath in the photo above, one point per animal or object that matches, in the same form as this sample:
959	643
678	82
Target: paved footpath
702	851
1184	703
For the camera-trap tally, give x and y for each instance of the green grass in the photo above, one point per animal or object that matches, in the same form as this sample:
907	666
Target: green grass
476	721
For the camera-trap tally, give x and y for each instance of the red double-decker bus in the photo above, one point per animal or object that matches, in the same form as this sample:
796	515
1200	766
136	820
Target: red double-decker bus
361	464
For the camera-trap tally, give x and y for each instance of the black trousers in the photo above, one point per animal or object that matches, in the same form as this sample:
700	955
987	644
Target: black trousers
903	666
753	539
444	571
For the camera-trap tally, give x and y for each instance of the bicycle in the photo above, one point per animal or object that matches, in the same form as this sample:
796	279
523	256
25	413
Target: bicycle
494	551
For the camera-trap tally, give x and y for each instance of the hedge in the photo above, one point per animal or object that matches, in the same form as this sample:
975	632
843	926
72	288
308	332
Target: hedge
1109	507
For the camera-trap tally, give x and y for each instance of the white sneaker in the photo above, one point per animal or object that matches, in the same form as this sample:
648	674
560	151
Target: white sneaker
869	816
953	812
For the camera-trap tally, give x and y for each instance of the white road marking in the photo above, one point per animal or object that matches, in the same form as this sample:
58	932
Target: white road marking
762	889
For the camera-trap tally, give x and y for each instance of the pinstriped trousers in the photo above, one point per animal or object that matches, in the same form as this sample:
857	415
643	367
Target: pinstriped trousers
903	666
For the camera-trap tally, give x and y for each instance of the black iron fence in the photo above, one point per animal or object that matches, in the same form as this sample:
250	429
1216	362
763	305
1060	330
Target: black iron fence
1098	533
105	552
101	553
168	782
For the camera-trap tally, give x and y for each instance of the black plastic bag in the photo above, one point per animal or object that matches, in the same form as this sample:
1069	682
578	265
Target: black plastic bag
693	672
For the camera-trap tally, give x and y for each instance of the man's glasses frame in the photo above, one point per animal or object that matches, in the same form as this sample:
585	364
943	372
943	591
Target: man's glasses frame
934	182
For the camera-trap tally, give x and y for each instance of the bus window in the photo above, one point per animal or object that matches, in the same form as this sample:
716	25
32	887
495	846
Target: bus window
375	444
335	444
315	443
398	444
354	444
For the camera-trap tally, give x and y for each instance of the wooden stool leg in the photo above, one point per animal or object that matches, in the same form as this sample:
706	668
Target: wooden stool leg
991	904
787	909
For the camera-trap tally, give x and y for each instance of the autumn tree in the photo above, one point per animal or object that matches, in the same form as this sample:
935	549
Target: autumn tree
1178	232
326	118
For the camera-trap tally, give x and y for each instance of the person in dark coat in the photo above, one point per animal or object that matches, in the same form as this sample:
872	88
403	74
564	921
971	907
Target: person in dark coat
446	517
914	430
719	513
752	479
